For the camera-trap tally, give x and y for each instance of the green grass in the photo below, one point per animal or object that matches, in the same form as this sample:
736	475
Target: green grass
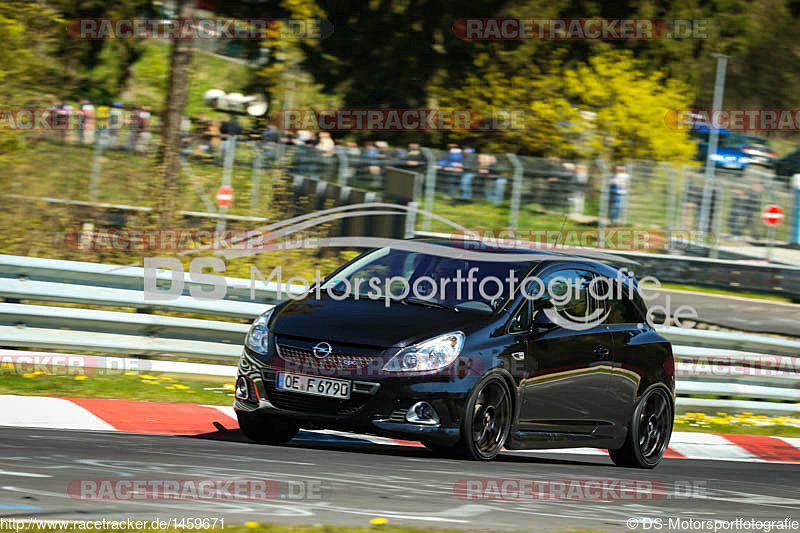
772	430
711	290
208	71
174	388
63	171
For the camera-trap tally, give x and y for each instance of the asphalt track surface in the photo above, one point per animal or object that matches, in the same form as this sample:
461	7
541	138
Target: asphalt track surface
734	312
350	483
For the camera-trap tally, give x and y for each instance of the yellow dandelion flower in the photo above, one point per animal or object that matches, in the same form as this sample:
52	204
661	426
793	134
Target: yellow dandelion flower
81	377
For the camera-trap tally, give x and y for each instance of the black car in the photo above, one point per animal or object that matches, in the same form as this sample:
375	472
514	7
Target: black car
465	373
788	166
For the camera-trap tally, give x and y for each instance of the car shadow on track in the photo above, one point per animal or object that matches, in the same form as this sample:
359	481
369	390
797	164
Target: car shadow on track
320	441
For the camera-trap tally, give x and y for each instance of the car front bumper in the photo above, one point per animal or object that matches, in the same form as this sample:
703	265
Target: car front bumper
378	404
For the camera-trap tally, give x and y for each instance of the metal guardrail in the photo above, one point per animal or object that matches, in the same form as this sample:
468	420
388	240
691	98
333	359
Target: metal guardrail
730	381
780	280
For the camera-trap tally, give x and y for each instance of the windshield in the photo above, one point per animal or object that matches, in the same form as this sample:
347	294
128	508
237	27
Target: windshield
731	141
450	282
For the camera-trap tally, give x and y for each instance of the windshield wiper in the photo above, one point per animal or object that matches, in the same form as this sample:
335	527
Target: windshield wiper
429	303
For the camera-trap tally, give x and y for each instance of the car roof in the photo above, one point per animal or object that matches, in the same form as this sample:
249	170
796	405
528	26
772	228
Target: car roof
705	127
589	257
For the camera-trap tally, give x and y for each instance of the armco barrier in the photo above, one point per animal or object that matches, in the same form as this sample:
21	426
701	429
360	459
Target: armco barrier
25	325
780	280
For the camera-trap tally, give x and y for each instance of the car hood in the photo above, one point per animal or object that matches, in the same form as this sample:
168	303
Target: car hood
369	322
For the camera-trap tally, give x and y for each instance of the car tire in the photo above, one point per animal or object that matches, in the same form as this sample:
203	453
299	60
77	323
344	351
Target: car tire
265	429
487	419
648	433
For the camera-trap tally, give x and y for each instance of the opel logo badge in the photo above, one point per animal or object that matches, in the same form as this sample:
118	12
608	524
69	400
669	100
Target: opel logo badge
323	349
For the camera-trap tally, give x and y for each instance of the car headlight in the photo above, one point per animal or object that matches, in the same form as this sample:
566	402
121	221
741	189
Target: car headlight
432	354
258	337
717	157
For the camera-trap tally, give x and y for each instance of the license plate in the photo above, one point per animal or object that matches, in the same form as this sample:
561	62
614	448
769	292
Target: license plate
731	165
331	388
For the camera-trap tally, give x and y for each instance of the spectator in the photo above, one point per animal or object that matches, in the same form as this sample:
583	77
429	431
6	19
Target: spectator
353	150
116	117
470	166
495	191
451	164
414	157
64	119
397	155
228	132
581	180
101	125
746	201
694	198
86	121
617	191
143	124
557	184
326	143
204	135
376	171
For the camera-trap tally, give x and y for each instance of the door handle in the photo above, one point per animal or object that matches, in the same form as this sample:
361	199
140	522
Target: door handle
601	351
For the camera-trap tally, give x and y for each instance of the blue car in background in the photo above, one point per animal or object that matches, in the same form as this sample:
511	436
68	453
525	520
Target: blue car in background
730	153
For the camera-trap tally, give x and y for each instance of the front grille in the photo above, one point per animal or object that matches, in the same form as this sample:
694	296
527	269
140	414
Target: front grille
309	403
398	415
303	359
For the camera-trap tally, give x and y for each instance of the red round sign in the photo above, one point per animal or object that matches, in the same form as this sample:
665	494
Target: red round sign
772	215
225	196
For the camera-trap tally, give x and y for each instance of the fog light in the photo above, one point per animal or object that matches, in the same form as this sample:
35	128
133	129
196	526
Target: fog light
241	388
422	413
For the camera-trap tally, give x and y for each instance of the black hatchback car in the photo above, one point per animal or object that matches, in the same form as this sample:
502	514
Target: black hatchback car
391	344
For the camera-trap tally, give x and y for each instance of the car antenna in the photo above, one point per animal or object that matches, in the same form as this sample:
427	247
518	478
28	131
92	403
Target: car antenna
558	237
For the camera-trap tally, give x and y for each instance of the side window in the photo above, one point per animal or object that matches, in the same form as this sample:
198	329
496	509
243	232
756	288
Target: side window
521	320
620	310
567	291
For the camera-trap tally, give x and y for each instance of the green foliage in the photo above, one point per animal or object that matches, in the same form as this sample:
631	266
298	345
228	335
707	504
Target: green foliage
630	107
627	107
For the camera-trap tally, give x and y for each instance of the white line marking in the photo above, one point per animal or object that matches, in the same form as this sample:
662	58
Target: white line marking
21	474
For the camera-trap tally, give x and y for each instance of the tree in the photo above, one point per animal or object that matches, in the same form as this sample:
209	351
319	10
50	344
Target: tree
27	31
630	107
609	106
177	90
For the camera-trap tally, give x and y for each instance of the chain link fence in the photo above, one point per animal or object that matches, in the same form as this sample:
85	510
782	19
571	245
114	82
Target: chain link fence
502	190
